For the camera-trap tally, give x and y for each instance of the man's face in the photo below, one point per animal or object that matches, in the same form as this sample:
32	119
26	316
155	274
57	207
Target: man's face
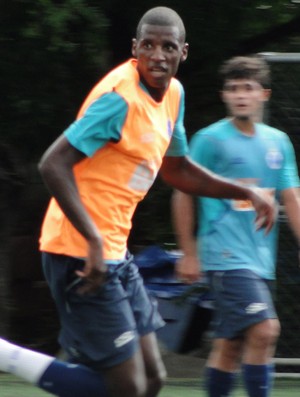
244	98
159	50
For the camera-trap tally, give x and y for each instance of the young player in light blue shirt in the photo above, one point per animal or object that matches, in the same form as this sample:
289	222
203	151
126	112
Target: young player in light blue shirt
239	260
264	160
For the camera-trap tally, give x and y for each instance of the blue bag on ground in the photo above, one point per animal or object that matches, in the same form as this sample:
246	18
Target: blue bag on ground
186	309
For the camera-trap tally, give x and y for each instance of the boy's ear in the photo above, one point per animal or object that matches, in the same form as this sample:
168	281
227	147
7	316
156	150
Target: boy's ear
267	94
133	47
221	93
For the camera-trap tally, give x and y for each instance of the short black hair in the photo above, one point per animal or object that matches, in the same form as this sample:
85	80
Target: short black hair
161	16
247	67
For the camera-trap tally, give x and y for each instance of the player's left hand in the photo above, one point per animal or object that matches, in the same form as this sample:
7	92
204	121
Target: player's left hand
266	209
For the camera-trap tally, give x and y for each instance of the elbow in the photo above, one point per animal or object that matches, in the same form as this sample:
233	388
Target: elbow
46	168
167	178
43	167
173	171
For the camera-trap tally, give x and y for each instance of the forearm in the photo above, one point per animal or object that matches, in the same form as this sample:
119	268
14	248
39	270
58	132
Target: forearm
192	179
183	214
291	201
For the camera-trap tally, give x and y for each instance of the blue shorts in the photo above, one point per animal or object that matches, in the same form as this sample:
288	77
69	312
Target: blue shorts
242	299
100	329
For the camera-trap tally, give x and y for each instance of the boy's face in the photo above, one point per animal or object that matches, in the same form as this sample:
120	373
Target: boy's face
244	98
159	50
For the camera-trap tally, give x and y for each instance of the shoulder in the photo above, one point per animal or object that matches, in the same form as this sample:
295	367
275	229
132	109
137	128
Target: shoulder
216	130
175	84
175	91
272	131
269	132
121	80
123	75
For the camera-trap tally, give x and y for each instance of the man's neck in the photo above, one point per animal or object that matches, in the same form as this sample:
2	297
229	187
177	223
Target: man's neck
244	125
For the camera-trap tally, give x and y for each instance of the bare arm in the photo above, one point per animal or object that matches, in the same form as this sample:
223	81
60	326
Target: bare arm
291	201
185	175
183	210
56	168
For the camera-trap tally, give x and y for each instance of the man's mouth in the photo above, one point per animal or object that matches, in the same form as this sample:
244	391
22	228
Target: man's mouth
241	106
158	69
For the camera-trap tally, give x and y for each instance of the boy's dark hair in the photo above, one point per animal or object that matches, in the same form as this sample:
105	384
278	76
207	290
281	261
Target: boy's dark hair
247	67
161	16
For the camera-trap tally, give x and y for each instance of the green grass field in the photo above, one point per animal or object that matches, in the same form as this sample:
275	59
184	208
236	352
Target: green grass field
185	387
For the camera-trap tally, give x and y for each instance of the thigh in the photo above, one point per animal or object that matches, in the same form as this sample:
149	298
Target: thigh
98	329
242	300
154	365
144	307
128	378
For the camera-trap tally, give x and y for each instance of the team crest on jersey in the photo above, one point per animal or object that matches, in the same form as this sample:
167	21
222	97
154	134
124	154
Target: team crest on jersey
274	159
169	128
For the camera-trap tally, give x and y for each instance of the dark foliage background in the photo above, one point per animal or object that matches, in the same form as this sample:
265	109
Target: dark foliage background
51	53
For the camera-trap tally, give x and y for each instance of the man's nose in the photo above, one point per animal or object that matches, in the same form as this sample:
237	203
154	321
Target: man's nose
242	90
158	53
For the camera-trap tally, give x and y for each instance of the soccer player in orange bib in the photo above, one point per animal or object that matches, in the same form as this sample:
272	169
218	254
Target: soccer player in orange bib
98	170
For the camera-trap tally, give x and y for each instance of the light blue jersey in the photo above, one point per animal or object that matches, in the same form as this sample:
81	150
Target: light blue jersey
226	234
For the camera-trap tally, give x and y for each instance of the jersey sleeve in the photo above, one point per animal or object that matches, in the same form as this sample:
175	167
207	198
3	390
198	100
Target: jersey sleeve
203	150
289	177
178	145
102	122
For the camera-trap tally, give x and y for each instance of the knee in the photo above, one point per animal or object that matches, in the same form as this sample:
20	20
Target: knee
228	356
266	333
225	354
133	387
272	332
276	329
144	387
157	380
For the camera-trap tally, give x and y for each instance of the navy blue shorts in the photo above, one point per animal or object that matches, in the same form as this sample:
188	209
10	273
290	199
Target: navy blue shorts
242	299
100	329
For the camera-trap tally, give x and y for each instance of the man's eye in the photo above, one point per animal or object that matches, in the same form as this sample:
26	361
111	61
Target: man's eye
147	46
230	88
169	48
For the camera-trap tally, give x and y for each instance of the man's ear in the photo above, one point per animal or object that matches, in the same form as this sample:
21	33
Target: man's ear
133	47
185	51
221	93
267	94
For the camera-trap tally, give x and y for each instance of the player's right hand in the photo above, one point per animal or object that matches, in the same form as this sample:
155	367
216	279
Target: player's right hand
94	273
188	269
266	209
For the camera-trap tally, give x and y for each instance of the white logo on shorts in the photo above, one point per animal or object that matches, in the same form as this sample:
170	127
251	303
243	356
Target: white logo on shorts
255	308
124	338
